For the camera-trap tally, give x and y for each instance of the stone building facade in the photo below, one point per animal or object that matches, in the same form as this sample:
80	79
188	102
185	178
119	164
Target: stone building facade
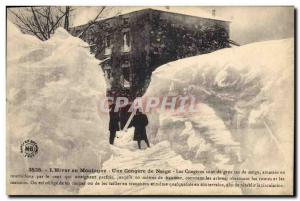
131	46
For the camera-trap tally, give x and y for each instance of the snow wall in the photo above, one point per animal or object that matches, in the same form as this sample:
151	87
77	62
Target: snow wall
244	106
53	92
244	114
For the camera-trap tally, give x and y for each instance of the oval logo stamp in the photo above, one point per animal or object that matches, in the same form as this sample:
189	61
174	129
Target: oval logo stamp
29	148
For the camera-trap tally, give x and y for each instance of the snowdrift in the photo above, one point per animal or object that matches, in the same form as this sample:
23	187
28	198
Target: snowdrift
126	155
233	81
238	123
244	111
53	90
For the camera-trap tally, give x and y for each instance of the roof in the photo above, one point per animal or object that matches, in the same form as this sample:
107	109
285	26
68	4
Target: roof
195	11
189	11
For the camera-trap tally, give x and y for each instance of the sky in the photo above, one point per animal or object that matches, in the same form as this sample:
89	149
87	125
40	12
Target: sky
253	24
248	24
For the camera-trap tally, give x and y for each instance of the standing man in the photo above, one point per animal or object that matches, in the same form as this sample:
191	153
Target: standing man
113	122
139	122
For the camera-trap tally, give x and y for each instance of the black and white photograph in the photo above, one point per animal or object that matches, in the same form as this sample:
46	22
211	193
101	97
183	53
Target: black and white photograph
150	100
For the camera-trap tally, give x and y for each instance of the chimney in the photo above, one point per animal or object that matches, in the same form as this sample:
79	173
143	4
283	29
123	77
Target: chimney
213	12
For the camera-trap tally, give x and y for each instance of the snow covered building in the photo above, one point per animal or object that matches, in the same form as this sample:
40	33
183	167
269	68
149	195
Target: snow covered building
134	44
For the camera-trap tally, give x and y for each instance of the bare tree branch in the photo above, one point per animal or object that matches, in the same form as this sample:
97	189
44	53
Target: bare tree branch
58	20
40	21
26	24
41	13
92	22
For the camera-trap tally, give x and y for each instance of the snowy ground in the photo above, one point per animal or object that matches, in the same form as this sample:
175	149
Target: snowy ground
244	118
126	155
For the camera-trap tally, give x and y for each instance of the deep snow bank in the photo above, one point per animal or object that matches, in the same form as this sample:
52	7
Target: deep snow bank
53	89
239	92
240	88
240	77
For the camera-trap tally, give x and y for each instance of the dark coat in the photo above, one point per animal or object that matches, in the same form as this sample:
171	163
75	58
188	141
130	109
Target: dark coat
139	122
113	119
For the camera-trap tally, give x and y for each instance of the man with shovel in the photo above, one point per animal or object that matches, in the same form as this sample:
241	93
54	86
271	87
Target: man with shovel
139	122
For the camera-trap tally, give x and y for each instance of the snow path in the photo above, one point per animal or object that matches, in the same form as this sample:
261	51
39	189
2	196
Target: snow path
126	155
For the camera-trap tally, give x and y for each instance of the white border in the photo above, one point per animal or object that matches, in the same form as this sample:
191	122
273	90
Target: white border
3	4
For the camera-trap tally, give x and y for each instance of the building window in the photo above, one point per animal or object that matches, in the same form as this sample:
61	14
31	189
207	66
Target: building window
126	42
107	69
125	58
108	41
126	77
126	73
108	73
108	45
125	21
125	61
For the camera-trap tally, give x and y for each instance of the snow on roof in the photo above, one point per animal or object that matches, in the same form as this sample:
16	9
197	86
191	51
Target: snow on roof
85	14
191	11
